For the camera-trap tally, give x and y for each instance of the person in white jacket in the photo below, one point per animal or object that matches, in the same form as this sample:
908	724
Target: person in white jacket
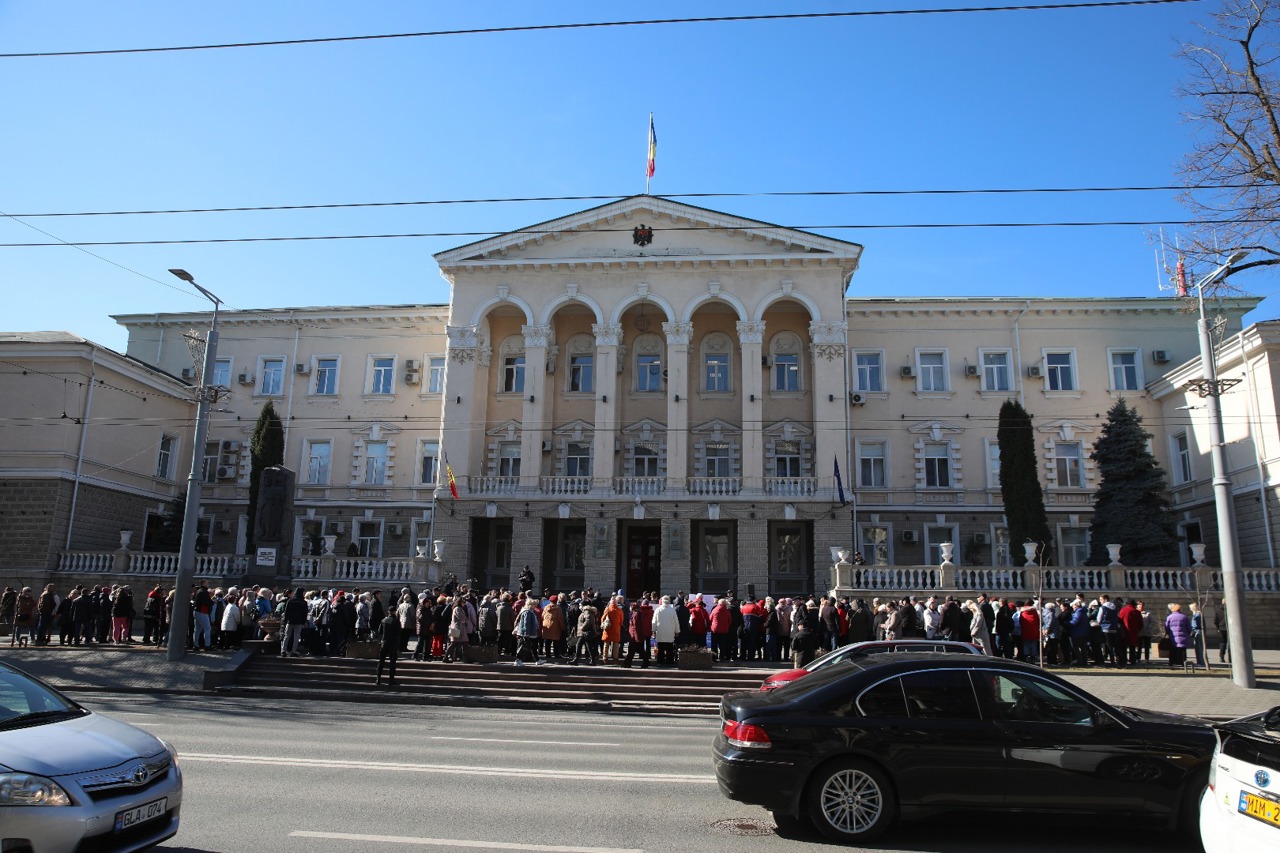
666	624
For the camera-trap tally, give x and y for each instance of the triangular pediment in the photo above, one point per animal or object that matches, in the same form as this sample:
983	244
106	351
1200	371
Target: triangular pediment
508	429
1064	427
575	430
716	428
376	431
645	429
935	429
788	430
667	230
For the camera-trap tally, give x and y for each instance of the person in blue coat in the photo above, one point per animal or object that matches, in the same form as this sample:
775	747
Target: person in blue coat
1079	629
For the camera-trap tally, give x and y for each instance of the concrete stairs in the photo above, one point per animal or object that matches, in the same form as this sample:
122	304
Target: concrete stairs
551	685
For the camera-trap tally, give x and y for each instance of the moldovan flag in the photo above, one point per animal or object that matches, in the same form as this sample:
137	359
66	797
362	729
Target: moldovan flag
653	149
453	484
839	482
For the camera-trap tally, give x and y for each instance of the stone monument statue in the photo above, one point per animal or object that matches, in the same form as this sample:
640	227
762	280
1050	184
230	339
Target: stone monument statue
273	524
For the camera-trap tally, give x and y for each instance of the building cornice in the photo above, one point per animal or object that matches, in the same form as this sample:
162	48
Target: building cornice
335	315
972	306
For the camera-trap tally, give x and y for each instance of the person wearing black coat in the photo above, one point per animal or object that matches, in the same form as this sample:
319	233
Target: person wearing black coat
82	619
1004	629
859	622
389	627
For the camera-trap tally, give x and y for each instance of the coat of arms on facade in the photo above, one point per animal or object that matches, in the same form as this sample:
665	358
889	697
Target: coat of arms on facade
642	235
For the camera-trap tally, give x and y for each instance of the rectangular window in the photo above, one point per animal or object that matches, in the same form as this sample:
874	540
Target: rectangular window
369	539
509	459
1181	458
933	371
716	372
164	463
870	371
993	464
871	458
212	456
435	374
1061	370
717	459
1075	545
222	373
649	373
934	537
582	373
937	465
319	461
787	458
375	463
786	373
429	464
326	376
577	459
513	374
995	371
1124	370
874	544
644	462
1067	459
383	380
272	377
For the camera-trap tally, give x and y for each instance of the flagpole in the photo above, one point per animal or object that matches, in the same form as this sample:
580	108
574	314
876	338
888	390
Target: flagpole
652	148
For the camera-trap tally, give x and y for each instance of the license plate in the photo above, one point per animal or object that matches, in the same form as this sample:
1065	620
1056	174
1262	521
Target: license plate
1267	811
132	817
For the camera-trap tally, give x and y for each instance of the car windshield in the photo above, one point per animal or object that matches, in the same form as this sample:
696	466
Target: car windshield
24	701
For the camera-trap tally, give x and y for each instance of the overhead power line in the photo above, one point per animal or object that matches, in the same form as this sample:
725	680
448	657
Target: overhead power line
584	25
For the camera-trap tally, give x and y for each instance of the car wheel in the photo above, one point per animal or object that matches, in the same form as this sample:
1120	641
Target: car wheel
1189	812
792	826
851	800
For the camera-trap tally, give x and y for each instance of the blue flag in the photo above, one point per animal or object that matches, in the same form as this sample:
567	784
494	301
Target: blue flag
839	482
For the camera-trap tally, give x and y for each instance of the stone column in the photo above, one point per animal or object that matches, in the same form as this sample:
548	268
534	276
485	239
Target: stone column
676	555
830	403
678	335
608	337
534	407
466	393
750	339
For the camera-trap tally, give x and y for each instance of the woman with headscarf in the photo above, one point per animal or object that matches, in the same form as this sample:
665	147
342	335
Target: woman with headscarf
1178	627
978	627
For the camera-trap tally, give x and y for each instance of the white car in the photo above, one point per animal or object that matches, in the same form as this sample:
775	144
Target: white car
73	780
1240	809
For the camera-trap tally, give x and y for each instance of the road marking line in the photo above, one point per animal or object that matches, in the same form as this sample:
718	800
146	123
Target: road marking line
459	842
500	740
530	773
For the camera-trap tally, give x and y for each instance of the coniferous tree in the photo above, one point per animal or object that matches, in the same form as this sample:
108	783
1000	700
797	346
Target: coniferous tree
1132	506
169	537
1020	481
266	448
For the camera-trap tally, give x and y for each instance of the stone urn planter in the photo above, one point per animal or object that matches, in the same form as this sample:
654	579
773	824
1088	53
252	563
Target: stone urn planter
695	657
270	627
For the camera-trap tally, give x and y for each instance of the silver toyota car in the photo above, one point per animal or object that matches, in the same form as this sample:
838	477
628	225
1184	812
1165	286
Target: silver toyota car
72	780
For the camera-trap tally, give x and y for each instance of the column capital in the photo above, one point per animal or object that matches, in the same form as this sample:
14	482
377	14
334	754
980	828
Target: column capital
607	334
678	334
466	344
751	332
827	340
536	336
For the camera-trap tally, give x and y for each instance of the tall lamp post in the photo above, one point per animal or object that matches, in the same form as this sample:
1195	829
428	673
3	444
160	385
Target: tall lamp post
177	647
1212	388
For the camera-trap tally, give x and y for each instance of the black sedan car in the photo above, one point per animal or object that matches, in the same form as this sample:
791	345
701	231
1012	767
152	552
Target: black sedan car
852	747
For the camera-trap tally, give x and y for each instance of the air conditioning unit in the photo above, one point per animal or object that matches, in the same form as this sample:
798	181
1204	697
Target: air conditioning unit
981	539
338	528
188	373
412	377
397	529
907	372
971	370
1160	356
245	378
224	526
230	446
546	445
857	399
766	360
412	364
302	368
226	472
1034	371
909	537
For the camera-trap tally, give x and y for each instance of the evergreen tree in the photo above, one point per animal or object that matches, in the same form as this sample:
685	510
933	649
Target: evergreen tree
1020	481
266	448
1131	506
168	539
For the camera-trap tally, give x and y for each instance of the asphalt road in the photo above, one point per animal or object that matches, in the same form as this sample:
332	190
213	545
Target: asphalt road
322	777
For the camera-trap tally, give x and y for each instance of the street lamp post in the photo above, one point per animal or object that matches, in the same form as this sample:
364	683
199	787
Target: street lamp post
177	647
1211	388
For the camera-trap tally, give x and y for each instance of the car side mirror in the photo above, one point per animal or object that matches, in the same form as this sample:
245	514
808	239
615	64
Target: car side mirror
1101	719
1271	720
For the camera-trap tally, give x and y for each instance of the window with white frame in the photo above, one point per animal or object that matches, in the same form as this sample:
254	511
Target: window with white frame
937	464
996	375
1124	370
932	366
644	461
1181	458
375	463
222	372
649	373
212	457
369	539
871	464
435	374
509	459
993	463
582	373
1068	463
786	457
1061	370
164	462
319	462
272	382
382	374
1003	552
1074	547
513	374
874	542
786	373
719	463
326	376
717	349
934	536
868	371
429	463
577	459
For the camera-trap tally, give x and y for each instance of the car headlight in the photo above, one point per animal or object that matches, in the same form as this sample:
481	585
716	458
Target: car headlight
25	789
172	750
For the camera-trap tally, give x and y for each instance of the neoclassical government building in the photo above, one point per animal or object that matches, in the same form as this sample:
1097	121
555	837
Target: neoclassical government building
652	395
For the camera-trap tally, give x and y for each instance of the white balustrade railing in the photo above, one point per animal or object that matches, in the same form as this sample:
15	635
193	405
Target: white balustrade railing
790	487
640	486
565	485
362	569
86	561
305	568
985	578
493	485
1160	580
1077	579
151	563
713	486
894	578
1253	580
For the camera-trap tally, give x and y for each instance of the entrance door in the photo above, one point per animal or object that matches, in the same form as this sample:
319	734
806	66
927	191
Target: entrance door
643	570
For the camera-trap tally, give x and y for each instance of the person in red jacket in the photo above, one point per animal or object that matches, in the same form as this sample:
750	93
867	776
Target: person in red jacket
722	630
1030	616
699	622
1130	629
641	631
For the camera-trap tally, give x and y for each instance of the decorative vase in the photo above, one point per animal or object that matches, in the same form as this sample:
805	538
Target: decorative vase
126	536
1029	550
842	555
1197	554
947	549
1113	553
422	550
439	548
329	542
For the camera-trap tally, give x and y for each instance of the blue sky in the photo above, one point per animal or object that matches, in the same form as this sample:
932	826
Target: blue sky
955	101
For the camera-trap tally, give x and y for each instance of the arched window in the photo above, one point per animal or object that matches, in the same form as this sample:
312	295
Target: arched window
785	349
580	360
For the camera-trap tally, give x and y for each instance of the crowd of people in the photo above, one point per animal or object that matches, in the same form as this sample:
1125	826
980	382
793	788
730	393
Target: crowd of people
591	628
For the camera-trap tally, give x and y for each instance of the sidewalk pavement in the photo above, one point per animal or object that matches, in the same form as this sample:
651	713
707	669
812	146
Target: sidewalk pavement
146	669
